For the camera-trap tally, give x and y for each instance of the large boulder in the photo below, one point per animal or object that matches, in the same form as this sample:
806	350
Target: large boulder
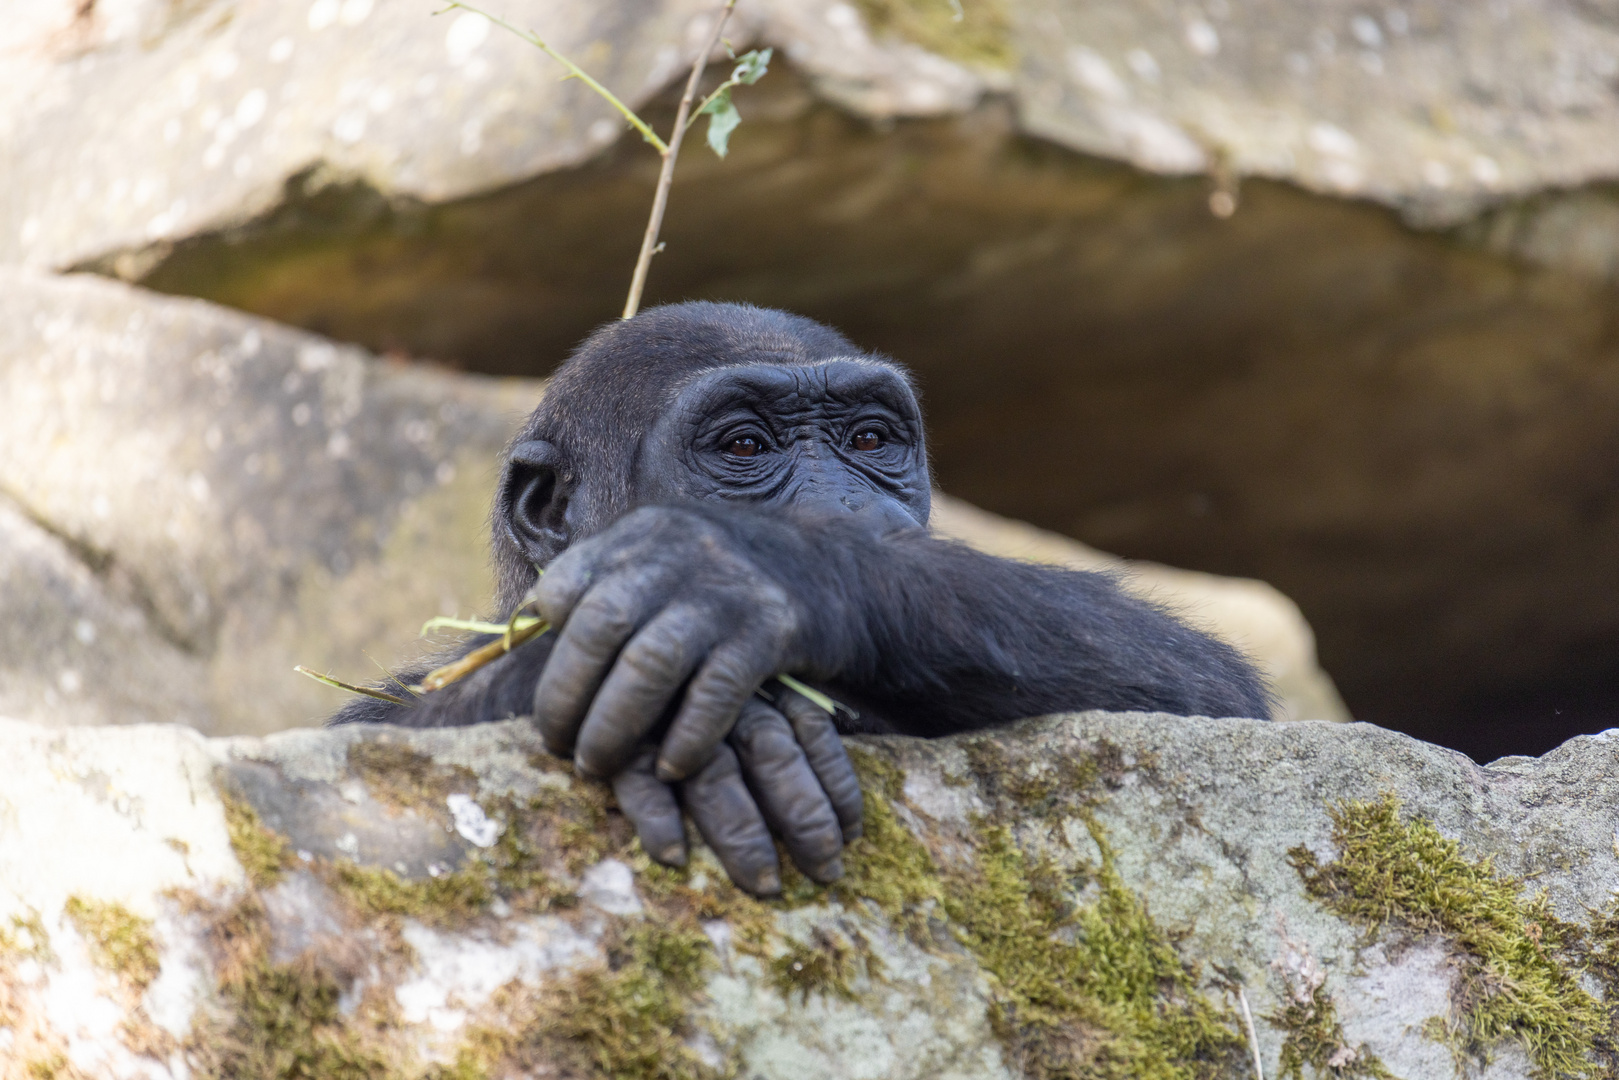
1097	895
192	501
1440	110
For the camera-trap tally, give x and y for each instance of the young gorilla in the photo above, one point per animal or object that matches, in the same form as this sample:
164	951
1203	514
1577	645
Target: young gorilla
720	494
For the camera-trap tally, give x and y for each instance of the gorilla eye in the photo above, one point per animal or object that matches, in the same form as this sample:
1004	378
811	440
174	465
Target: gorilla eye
868	440
744	446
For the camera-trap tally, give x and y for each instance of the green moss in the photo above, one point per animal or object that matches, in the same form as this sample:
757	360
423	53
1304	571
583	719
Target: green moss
981	36
263	853
578	816
625	1021
47	1068
377	890
26	936
1096	991
1314	1036
1048	788
280	1021
406	779
1522	975
286	1025
121	940
509	869
887	865
825	966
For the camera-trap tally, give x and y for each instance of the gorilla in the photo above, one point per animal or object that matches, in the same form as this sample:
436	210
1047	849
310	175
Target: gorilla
711	495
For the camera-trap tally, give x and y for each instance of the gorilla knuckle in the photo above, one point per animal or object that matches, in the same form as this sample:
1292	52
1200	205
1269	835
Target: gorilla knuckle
606	621
661	660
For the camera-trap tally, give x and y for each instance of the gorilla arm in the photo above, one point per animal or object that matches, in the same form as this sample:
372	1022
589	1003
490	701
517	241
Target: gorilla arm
928	637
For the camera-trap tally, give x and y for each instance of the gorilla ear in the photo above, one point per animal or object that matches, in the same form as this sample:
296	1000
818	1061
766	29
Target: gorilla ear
534	495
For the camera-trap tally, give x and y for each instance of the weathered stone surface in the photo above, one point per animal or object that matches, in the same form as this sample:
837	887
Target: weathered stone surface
192	501
237	496
163	897
1437	109
233	104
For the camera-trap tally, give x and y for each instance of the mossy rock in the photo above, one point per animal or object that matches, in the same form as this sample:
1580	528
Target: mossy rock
1089	896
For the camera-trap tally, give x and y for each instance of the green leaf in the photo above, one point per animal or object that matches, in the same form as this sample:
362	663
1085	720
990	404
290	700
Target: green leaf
751	66
722	120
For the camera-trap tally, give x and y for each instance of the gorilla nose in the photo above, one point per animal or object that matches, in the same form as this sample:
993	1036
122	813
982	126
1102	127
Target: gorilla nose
882	511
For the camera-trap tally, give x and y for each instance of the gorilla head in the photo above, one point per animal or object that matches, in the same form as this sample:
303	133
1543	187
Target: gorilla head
709	402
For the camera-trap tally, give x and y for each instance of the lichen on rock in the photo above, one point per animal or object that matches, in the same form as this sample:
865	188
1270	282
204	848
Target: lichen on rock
1522	970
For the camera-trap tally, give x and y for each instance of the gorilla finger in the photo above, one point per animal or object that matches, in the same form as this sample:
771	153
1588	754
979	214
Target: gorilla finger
788	792
564	583
650	805
724	812
584	650
646	676
823	747
713	702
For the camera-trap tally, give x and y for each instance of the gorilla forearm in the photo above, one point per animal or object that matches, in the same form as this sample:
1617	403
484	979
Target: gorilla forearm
938	638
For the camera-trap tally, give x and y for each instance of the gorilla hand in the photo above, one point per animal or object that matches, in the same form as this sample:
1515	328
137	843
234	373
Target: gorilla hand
782	770
666	598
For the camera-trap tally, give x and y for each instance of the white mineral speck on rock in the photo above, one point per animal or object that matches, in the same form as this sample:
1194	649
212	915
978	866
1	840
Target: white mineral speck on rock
354	12
1202	38
610	885
466	33
471	822
1325	138
322	13
1142	63
1366	31
250	110
456	972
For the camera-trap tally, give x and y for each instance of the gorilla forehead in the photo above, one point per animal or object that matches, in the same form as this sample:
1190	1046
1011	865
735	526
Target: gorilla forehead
612	390
626	373
794	391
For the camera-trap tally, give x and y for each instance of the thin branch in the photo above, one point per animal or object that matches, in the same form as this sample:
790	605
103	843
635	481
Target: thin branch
1253	1036
456	670
339	684
574	72
666	176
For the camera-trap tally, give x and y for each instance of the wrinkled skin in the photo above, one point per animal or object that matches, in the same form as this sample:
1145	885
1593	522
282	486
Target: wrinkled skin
719	495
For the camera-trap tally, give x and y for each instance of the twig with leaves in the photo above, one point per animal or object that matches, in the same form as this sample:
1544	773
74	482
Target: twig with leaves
717	106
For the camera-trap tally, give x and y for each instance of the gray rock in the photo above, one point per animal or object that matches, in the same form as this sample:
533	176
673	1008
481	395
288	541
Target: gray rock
235	496
271	872
1437	109
236	107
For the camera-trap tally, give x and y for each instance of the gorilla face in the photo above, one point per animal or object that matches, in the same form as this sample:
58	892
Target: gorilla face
837	437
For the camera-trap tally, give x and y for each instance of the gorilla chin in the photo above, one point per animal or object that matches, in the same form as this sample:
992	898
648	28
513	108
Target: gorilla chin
719	494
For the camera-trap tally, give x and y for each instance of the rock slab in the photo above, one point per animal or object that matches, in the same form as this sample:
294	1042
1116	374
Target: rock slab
1097	894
